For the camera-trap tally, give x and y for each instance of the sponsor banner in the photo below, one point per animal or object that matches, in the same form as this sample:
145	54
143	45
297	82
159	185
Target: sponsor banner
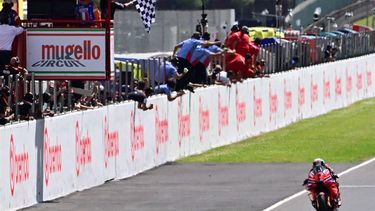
241	99
18	168
61	54
259	108
90	148
225	123
116	141
141	142
201	123
303	82
162	137
184	124
64	154
178	128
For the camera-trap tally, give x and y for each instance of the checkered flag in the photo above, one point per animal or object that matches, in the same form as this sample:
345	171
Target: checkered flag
146	9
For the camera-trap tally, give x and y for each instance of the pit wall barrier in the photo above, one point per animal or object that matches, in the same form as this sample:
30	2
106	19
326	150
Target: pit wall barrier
46	159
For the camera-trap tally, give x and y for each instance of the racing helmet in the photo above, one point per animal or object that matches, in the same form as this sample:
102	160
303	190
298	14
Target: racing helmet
318	162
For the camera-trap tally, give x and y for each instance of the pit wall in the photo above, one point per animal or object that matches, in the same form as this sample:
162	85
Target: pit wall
46	159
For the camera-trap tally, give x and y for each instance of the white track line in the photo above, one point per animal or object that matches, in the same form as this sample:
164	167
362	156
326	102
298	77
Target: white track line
357	186
304	191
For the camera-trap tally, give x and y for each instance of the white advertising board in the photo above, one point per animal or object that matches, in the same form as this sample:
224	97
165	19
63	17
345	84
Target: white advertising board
18	167
67	54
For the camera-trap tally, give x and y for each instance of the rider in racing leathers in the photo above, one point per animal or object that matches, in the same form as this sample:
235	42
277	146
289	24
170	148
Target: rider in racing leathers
331	182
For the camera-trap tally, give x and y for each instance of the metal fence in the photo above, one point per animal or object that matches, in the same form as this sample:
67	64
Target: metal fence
288	55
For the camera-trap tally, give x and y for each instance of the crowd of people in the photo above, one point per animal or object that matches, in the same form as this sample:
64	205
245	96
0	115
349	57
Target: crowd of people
198	62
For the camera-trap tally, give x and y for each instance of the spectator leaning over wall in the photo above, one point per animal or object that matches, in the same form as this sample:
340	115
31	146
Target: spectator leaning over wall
7	35
140	95
200	60
168	70
167	89
242	42
185	52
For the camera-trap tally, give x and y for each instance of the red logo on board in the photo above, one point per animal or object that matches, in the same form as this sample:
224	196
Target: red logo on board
137	139
111	143
240	111
326	89
83	149
287	99
223	115
161	130
359	81
183	124
204	120
368	78
18	167
349	83
301	95
257	106
338	86
273	102
314	92
52	157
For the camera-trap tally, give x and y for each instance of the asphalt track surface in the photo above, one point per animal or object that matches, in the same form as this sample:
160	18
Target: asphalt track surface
357	192
206	187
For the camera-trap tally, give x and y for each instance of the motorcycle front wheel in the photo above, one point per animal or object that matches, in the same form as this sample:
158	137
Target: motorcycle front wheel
322	204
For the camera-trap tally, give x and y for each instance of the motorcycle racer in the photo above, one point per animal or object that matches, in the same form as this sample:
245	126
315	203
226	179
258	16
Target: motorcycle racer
328	176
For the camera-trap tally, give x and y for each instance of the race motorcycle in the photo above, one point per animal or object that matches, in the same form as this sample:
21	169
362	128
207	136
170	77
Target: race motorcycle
318	185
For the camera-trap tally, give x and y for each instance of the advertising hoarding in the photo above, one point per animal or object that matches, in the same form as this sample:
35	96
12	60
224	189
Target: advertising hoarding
78	53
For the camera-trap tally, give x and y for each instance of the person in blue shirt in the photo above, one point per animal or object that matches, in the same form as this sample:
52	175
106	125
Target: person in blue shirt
186	49
168	70
167	89
201	59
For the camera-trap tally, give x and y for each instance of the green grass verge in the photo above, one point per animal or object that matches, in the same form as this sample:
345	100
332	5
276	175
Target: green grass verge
345	135
364	22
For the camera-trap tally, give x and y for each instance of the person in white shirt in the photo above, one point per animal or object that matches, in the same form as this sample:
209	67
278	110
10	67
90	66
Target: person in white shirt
7	35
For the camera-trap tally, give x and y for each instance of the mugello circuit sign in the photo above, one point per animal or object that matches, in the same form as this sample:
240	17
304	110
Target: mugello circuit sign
62	54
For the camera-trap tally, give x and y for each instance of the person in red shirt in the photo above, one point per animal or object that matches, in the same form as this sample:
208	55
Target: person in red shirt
232	37
239	65
254	49
242	44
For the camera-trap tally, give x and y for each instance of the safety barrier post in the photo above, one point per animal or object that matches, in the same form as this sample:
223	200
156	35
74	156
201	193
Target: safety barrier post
54	96
33	92
17	97
120	83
